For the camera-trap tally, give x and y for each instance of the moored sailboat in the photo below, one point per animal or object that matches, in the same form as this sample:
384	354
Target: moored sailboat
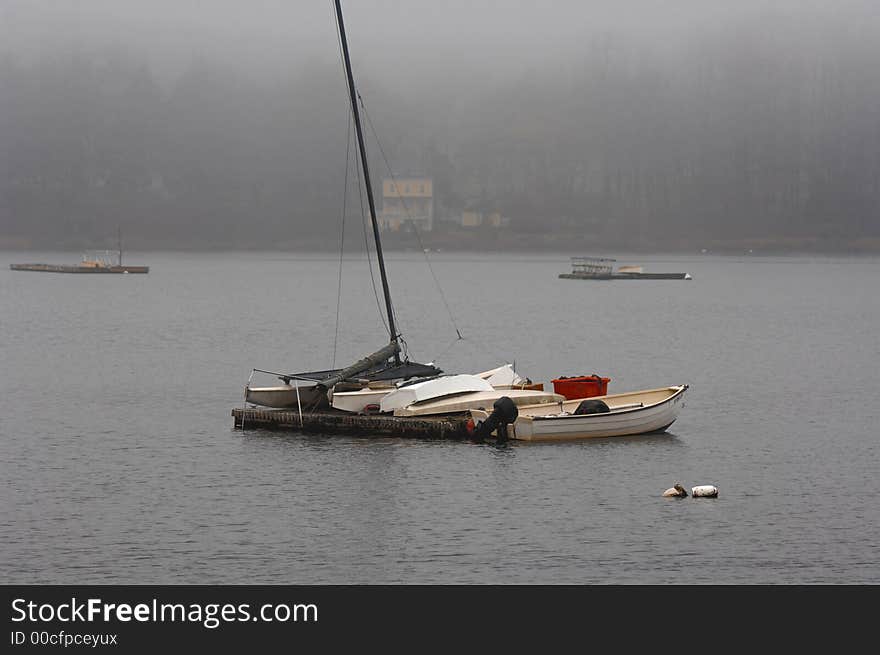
384	382
384	364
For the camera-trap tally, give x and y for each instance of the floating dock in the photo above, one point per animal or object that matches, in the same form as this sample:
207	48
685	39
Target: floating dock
450	426
59	268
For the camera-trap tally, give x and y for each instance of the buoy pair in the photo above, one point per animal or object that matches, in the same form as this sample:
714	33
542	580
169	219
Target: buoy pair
700	491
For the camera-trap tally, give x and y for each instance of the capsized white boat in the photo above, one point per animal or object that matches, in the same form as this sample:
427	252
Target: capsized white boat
477	399
439	387
503	377
356	400
359	399
635	412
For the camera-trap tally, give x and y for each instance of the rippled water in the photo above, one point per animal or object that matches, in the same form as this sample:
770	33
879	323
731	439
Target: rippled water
120	462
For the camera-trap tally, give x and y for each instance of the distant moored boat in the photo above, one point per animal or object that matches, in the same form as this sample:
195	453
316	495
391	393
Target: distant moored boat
85	266
602	268
92	262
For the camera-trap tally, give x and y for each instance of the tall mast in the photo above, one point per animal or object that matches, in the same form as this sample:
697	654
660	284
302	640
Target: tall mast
360	137
119	241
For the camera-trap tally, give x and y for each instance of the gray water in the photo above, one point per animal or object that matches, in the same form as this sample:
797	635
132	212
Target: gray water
120	463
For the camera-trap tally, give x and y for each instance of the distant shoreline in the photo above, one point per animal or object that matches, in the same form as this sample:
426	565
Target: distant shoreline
520	244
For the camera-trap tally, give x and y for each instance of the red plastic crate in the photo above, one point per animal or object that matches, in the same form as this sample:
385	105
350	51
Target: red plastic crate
584	386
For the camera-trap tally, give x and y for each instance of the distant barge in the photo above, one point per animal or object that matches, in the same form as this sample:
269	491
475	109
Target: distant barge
57	268
453	426
92	262
602	268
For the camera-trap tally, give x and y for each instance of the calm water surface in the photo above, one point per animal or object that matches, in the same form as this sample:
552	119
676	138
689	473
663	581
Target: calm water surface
120	463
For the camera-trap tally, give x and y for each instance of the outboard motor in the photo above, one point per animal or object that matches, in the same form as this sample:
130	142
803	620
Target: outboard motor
592	406
504	414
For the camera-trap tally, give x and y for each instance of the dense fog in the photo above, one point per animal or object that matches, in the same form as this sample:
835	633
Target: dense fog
643	125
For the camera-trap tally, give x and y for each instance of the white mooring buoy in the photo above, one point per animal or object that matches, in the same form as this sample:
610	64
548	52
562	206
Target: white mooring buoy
705	491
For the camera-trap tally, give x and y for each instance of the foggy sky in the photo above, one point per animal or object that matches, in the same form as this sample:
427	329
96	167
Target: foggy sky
751	119
442	49
391	38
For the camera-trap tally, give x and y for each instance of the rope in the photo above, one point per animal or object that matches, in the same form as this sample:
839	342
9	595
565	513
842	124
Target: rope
480	346
449	347
360	189
367	248
342	239
415	226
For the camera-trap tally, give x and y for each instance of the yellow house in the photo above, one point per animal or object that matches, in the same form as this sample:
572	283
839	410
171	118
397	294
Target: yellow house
407	199
471	219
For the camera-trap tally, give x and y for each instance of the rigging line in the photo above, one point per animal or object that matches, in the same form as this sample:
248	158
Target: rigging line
367	249
415	227
390	302
482	346
412	222
476	346
342	238
447	349
359	185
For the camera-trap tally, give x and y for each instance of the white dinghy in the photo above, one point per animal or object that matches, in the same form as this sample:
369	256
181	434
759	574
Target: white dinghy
625	414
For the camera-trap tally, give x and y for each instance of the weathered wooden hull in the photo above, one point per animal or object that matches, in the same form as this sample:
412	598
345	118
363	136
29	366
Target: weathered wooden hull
366	426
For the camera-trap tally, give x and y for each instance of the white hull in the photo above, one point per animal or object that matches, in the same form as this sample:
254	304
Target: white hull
503	376
285	396
637	412
356	401
418	392
477	399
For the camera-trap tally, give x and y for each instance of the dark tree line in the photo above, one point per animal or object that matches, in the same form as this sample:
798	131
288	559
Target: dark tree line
752	135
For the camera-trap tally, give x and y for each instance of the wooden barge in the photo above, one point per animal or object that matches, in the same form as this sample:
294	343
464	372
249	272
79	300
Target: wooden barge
450	426
60	268
93	261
